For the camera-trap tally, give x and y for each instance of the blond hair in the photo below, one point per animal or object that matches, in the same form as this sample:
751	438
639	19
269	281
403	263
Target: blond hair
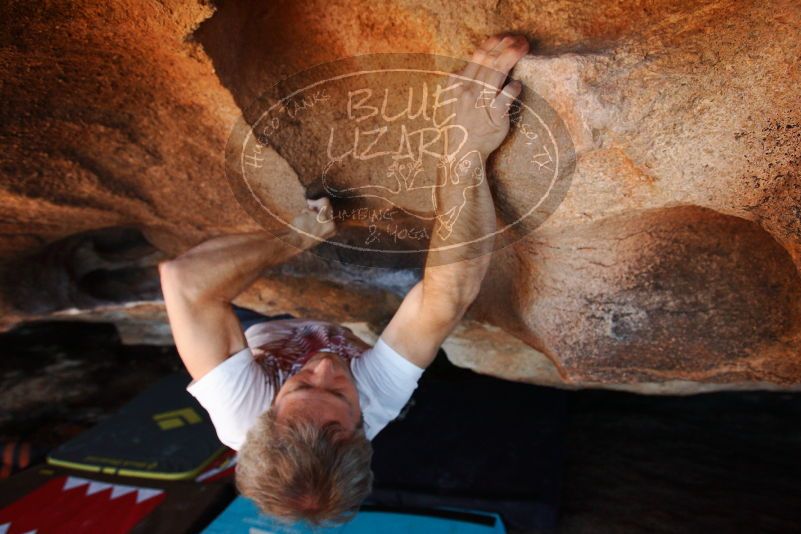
295	470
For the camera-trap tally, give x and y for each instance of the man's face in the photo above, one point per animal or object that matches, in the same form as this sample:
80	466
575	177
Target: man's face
323	391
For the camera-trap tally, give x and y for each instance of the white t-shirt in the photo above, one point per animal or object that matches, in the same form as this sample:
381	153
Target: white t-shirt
237	392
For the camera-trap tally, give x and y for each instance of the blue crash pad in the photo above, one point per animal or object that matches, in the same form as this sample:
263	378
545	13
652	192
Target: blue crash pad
243	516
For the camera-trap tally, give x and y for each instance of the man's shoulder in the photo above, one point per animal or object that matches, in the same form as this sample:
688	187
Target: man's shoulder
385	381
389	361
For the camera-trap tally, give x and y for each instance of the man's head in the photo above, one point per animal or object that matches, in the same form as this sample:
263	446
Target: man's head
307	457
322	392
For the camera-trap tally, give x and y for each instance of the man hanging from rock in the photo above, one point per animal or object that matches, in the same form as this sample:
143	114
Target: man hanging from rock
301	399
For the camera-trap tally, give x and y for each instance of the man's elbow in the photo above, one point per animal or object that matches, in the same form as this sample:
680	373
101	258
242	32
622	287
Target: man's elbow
450	299
469	294
461	296
449	309
176	280
168	271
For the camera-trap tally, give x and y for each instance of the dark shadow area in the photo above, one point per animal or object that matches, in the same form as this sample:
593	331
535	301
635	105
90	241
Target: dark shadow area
722	462
473	442
104	266
58	379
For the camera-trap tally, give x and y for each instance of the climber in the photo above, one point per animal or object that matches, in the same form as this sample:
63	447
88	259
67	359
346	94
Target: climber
301	399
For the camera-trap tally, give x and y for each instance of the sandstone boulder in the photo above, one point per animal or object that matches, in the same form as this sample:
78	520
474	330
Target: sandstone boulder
671	265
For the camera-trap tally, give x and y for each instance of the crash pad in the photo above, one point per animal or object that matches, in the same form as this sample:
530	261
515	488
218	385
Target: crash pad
163	433
243	516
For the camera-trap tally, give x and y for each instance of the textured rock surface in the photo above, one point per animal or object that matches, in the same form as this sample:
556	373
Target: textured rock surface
677	250
671	266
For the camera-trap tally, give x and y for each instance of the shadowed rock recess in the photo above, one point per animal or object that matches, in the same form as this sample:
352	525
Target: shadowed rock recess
671	266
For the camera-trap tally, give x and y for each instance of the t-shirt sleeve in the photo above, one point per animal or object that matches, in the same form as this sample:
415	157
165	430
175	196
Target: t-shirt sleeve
386	381
235	393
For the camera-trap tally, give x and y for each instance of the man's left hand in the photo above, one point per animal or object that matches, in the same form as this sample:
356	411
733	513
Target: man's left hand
316	222
481	108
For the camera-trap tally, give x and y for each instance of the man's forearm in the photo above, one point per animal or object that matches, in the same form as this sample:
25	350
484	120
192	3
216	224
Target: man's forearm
223	267
459	255
453	272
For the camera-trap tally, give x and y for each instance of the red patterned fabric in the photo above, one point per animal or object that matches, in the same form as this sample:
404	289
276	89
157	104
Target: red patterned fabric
283	347
76	504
